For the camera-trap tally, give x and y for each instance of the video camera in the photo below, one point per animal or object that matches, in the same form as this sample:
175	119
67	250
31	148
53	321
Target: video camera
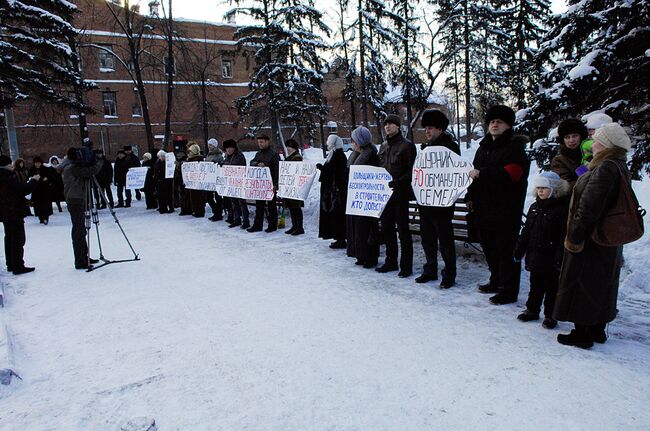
83	156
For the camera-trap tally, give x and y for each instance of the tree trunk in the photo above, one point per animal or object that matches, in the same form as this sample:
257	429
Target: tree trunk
170	75
204	112
467	81
407	80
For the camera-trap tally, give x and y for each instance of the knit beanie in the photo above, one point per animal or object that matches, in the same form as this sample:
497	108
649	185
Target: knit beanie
435	118
612	135
597	120
146	156
500	112
394	119
161	153
362	136
548	180
334	142
572	125
229	143
194	150
213	143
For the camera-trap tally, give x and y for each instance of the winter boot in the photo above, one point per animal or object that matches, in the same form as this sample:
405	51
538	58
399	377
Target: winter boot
549	323
298	231
426	278
488	288
578	337
339	243
528	316
503	298
597	333
387	267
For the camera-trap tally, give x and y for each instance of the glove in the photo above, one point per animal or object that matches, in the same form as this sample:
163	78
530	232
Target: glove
581	170
319	166
391	184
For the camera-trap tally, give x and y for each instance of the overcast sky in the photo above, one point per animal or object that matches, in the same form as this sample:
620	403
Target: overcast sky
213	10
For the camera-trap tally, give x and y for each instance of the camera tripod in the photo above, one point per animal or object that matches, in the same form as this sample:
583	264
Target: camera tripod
91	214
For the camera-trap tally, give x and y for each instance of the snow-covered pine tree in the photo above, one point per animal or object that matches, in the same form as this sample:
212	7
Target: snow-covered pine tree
347	55
285	86
598	60
36	59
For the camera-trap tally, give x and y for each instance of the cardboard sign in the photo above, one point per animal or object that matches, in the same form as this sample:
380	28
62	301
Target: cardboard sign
368	191
258	184
200	175
170	165
231	181
440	177
296	179
135	177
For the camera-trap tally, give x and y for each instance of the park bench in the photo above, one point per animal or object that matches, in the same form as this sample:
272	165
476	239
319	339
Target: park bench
463	229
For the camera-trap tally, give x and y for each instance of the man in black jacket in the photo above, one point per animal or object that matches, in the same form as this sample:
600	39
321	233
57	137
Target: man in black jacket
397	156
121	168
436	222
133	162
496	197
13	209
266	157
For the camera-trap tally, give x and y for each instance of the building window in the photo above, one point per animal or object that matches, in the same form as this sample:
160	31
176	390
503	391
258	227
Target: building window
136	110
110	103
106	60
226	68
173	65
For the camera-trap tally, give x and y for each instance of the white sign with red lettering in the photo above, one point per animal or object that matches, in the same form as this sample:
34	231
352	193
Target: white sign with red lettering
440	177
258	184
296	179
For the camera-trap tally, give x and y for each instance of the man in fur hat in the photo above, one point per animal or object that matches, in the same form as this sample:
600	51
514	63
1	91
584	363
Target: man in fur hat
496	198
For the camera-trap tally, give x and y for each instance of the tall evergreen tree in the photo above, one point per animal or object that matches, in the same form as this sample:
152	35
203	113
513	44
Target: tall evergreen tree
597	59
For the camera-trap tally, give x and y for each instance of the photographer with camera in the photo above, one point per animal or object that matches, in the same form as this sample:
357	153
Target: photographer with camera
78	169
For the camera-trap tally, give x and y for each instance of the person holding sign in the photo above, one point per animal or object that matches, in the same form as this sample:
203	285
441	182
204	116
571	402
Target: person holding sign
198	198
295	206
333	193
397	155
266	157
164	186
216	202
363	232
239	208
496	197
149	185
435	222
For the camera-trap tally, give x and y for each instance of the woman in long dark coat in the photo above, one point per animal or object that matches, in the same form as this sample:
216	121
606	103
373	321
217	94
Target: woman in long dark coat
197	198
365	233
333	193
57	183
589	279
42	194
294	205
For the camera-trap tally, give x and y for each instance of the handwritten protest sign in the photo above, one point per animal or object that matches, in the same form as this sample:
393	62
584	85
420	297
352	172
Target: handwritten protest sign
258	184
368	191
170	165
135	177
440	177
296	179
200	175
231	181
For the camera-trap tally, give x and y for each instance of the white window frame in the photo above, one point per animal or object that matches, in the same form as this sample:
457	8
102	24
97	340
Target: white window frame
106	60
110	114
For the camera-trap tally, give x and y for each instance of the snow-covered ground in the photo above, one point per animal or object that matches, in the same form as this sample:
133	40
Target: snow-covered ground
219	329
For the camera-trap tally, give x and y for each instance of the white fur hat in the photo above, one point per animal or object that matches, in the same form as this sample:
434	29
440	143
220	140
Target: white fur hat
161	153
213	142
146	156
597	120
612	135
548	180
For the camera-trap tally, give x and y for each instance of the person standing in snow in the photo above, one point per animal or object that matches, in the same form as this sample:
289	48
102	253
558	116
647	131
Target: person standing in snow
568	161
397	156
496	197
149	185
333	193
104	178
542	242
57	183
436	222
589	279
13	210
132	162
594	122
121	168
216	202
294	206
266	157
239	207
164	186
42	194
197	197
363	241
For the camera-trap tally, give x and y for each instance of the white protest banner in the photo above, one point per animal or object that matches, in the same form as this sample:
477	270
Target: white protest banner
440	177
296	179
231	181
170	165
368	191
135	177
200	175
258	184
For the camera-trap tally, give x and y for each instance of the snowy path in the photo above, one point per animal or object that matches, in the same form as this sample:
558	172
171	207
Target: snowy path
218	329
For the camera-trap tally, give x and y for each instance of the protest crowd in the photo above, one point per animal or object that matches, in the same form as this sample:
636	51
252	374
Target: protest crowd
566	239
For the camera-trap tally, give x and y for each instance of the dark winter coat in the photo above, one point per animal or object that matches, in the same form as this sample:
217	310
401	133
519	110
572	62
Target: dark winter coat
294	203
149	183
333	196
21	170
198	198
498	194
105	175
447	141
566	162
133	161
397	156
237	158
13	206
42	194
215	155
363	232
270	159
542	238
121	168
588	288
75	179
57	185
